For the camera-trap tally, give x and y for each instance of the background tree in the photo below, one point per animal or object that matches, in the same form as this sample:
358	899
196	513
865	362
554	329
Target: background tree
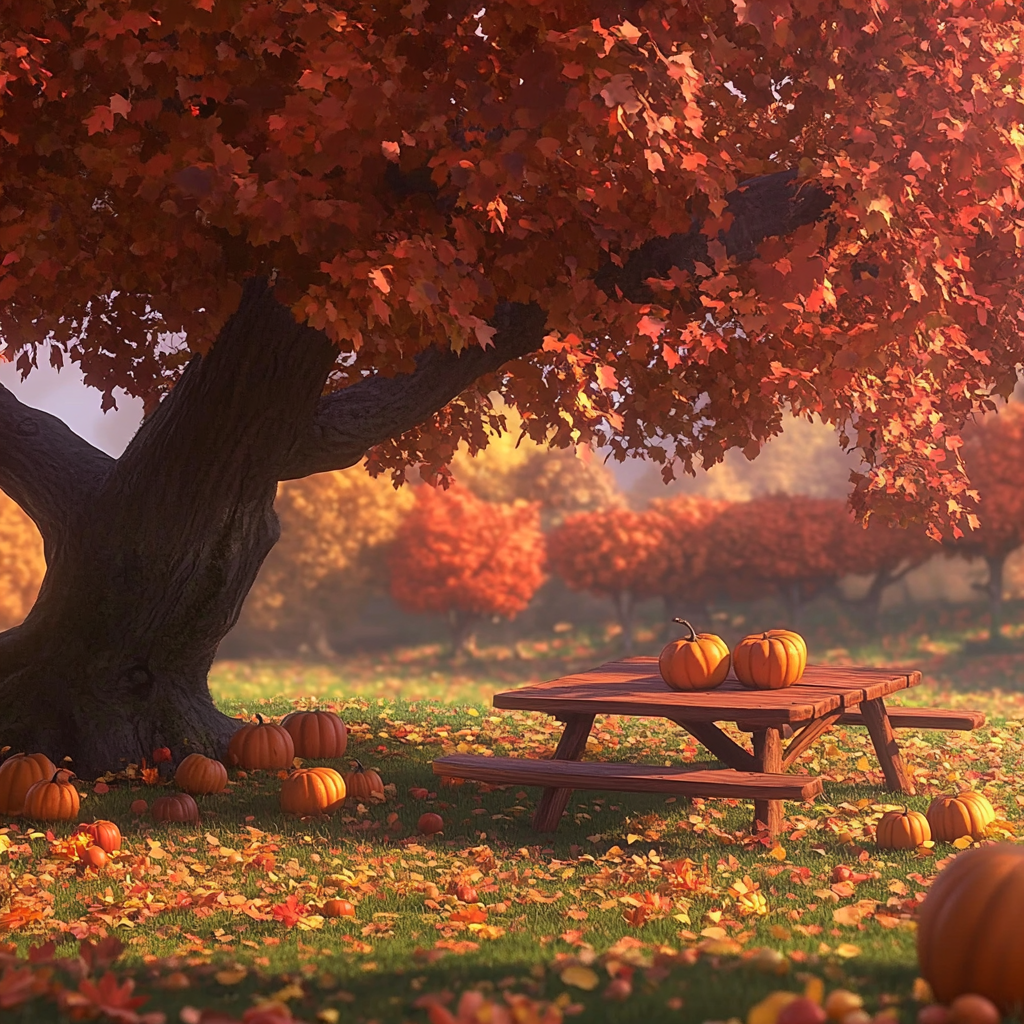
789	544
335	529
679	573
465	558
308	236
21	563
994	452
608	553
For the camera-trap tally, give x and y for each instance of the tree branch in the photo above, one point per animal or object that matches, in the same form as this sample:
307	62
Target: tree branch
351	421
45	466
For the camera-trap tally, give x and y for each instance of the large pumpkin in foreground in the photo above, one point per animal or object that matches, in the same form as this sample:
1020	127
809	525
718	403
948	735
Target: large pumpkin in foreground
770	660
316	734
699	661
312	791
969	935
967	814
261	744
17	775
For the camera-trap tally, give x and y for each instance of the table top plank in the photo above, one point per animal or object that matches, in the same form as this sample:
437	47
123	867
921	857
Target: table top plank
633	686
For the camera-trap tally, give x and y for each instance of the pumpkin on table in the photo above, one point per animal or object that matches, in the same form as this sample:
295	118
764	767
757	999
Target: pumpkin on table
902	830
364	783
261	744
104	834
17	775
969	938
771	660
176	807
316	734
312	791
55	799
200	775
966	814
699	661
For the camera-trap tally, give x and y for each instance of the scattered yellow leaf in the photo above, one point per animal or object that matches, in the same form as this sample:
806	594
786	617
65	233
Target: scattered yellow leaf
580	977
231	976
847	950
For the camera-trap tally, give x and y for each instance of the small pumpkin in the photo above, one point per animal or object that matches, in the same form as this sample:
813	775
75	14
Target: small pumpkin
17	775
55	799
338	908
968	928
770	660
177	807
699	661
261	744
316	734
104	834
430	823
312	791
364	783
902	830
94	858
200	775
967	814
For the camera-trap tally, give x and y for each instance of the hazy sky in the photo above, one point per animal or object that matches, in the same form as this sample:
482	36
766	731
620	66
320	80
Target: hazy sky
65	395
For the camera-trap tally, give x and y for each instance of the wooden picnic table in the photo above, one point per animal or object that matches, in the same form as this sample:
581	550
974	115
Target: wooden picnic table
825	696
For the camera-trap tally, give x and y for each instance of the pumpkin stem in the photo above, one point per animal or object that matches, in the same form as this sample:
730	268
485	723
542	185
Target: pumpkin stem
259	718
359	766
693	632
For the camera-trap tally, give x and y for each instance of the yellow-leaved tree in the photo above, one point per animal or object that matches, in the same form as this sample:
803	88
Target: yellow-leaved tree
21	563
335	528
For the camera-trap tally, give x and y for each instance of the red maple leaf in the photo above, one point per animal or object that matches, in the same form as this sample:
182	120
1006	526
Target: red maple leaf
289	912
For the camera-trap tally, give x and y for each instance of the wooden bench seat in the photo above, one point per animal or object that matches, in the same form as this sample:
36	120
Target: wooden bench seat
922	718
632	778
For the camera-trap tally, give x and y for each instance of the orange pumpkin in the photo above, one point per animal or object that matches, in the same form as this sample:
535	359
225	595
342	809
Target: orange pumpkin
94	857
17	775
177	807
312	791
52	800
430	824
770	660
364	783
261	745
697	662
316	734
967	814
339	908
902	830
968	928
104	834
201	775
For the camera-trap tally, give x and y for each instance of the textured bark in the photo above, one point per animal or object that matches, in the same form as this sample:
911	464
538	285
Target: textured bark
996	565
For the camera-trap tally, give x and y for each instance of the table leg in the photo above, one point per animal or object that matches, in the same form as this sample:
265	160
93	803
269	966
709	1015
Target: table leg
897	778
768	751
727	750
570	748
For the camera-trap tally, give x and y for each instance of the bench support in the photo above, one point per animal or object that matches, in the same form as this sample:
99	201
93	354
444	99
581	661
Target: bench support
768	752
570	748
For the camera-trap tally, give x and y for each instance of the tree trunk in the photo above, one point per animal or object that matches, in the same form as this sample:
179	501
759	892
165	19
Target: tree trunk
462	625
794	605
317	631
624	613
996	565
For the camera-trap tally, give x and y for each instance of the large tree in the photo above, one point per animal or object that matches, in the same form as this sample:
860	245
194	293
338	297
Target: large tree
309	233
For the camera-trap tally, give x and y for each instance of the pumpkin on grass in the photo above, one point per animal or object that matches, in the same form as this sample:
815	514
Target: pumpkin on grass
312	791
967	814
177	807
699	661
201	775
430	824
261	744
55	799
969	938
93	858
104	834
316	734
339	908
902	830
364	783
770	660
17	775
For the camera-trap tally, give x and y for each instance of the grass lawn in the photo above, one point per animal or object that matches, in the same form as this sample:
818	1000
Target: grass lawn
640	908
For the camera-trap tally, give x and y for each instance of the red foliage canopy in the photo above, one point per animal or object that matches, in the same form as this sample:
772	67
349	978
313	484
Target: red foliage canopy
681	568
431	174
456	553
608	552
779	542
